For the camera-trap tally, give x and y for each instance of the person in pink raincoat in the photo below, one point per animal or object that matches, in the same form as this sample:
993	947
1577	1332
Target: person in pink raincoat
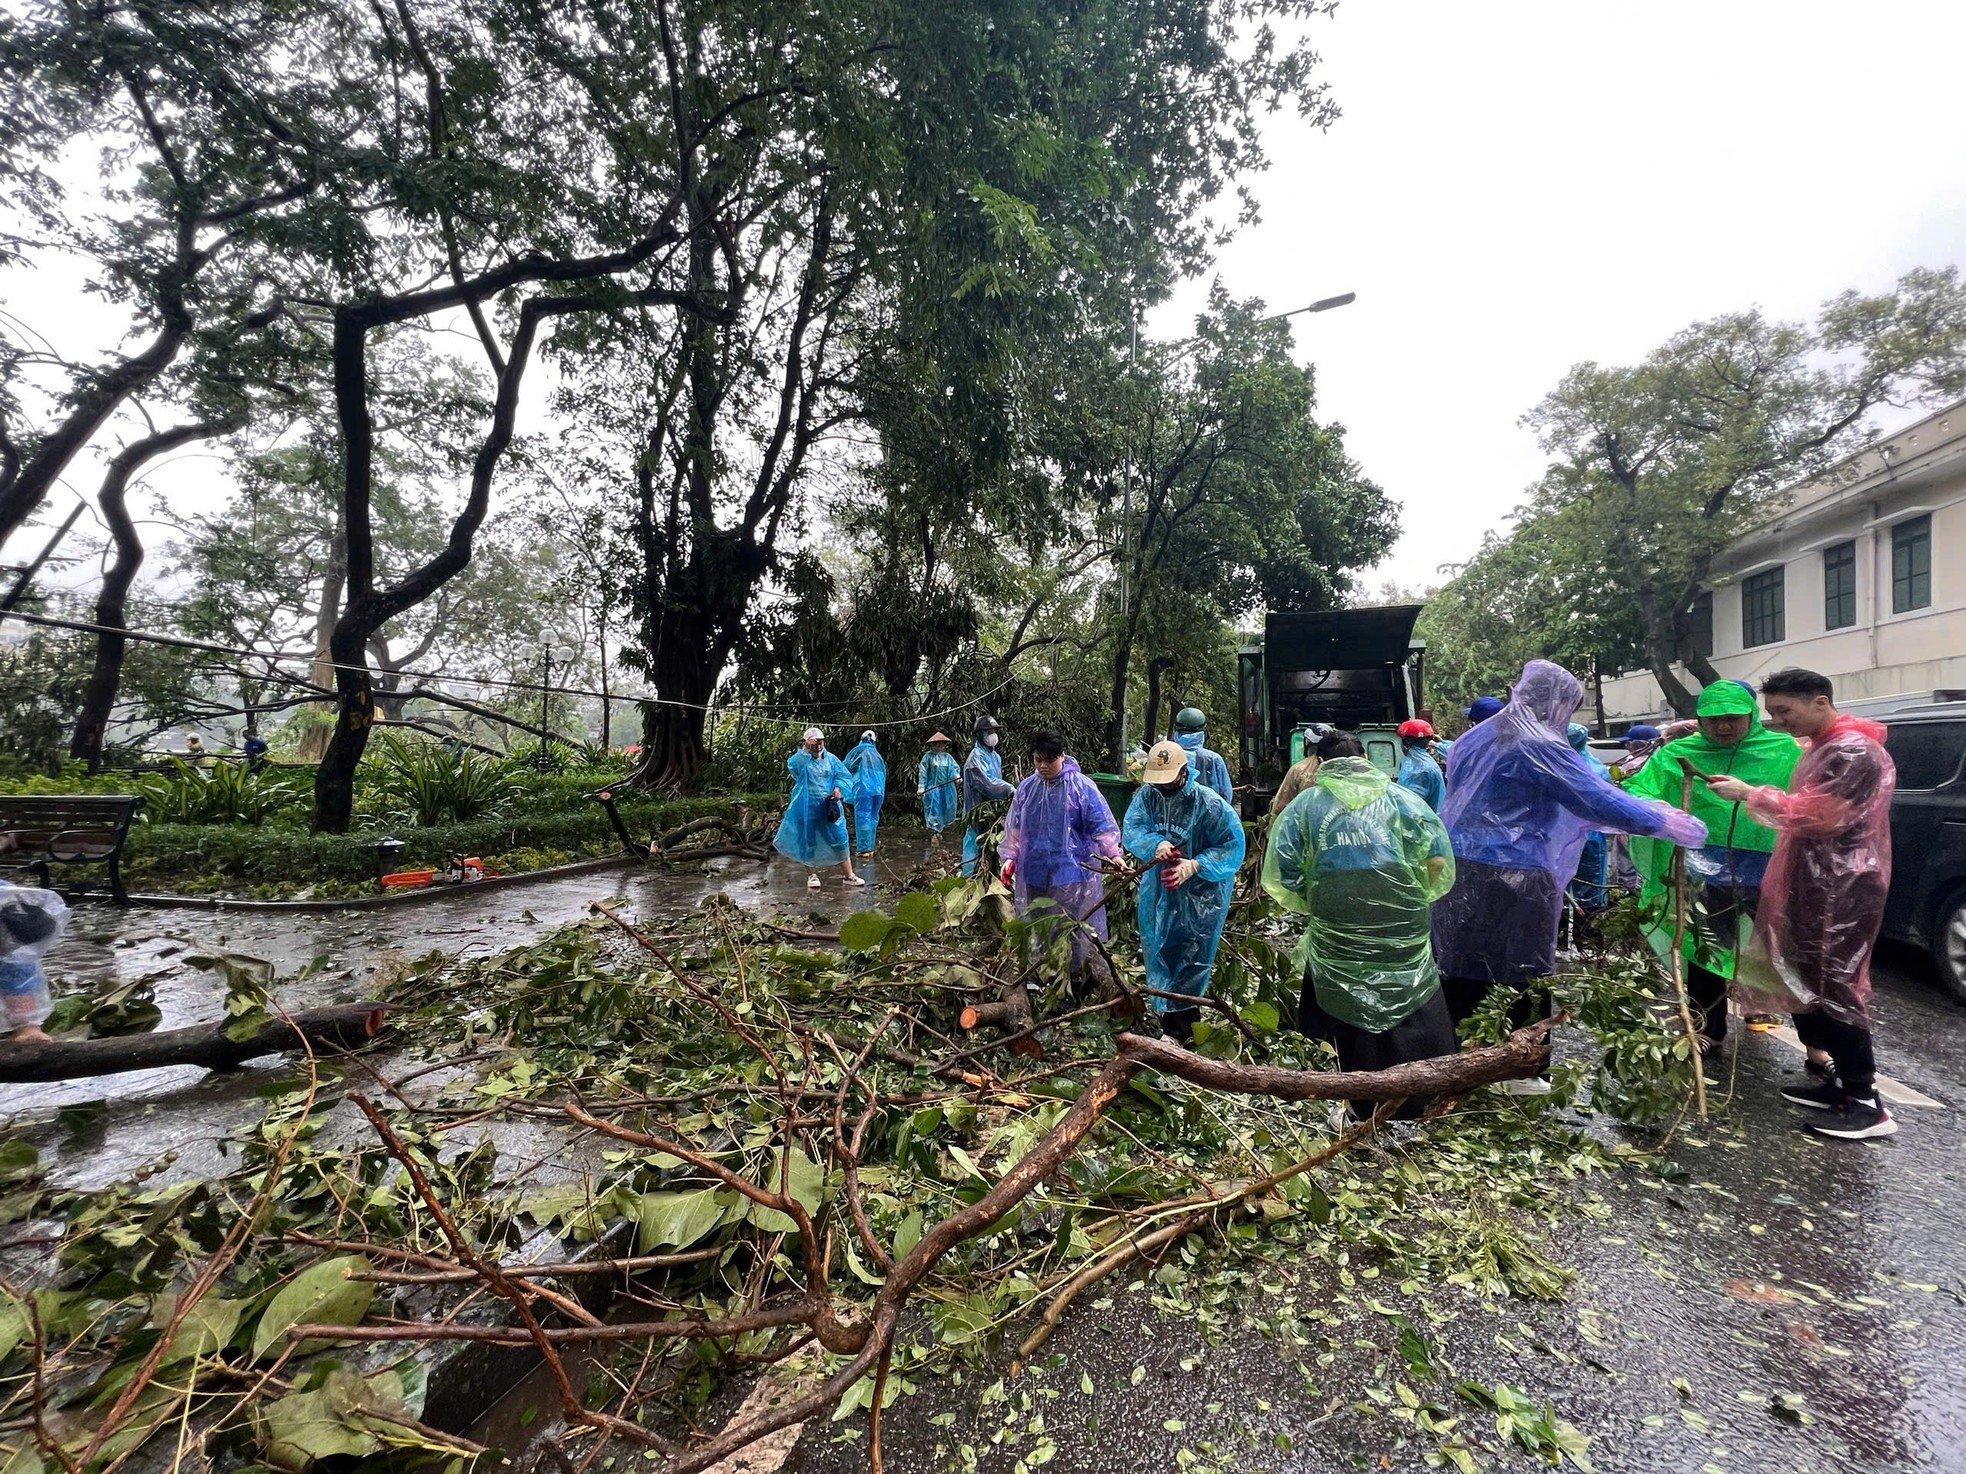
1822	898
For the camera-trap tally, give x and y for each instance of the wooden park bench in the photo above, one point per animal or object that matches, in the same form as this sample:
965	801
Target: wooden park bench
42	829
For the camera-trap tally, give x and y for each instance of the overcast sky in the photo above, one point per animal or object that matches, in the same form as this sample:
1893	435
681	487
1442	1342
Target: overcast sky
1518	186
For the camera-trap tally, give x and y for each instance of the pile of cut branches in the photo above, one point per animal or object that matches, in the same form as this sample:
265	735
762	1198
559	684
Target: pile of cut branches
763	1144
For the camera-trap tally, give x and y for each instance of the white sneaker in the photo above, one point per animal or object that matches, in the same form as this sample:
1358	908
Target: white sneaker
812	882
1534	1085
854	880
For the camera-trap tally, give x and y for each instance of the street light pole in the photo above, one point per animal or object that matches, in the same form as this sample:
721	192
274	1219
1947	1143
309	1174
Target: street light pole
545	699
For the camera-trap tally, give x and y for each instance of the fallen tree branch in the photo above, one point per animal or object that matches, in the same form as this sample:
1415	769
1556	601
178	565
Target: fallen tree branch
335	1029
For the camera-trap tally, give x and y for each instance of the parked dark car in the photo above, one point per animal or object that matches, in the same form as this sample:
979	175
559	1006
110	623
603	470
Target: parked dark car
1927	904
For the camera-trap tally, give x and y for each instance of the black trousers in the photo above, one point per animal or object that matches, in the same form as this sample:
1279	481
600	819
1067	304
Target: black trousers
1721	907
1849	1048
1426	1033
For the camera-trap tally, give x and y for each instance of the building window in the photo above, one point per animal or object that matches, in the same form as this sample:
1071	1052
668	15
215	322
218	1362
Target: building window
1911	564
1699	628
1840	586
1761	608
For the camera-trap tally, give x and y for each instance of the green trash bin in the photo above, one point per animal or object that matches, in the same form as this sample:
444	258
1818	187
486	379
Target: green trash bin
1116	790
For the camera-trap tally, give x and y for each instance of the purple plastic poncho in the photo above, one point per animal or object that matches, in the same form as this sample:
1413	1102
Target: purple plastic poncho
1522	803
1052	836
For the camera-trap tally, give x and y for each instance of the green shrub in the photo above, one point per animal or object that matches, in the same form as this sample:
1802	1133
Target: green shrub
208	858
224	793
423	784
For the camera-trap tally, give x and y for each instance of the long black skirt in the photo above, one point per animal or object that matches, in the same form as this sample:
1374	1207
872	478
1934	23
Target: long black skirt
1425	1033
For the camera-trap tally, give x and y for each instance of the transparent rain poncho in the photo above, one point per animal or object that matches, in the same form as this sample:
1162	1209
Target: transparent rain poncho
869	770
1822	897
1520	804
1053	837
805	833
31	921
1206	764
1181	926
1363	859
939	779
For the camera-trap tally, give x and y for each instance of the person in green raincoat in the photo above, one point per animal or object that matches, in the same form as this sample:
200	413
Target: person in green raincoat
1723	877
1363	860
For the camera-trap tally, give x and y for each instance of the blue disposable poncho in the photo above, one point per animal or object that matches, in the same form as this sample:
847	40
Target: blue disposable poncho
1362	859
1206	764
1053	836
939	780
983	781
1591	886
804	833
1181	926
869	770
1520	807
1419	773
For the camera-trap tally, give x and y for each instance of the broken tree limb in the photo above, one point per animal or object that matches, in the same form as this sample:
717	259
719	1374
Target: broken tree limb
338	1028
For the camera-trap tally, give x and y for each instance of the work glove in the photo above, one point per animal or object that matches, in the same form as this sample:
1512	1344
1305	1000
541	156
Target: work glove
1008	872
1167	850
1179	873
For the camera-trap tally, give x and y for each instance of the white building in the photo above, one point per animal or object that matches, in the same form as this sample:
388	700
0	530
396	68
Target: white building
1861	576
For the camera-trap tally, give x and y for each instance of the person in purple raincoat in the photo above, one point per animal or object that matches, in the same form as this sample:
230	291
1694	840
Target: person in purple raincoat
1058	839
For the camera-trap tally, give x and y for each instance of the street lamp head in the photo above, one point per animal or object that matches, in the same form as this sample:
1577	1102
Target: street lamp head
1325	304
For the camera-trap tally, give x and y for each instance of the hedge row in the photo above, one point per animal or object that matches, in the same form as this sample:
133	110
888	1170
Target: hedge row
294	857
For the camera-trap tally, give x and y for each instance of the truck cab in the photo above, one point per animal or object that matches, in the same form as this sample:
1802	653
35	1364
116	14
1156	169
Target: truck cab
1359	669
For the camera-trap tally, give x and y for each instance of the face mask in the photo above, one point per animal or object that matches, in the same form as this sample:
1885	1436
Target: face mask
989	739
1170	790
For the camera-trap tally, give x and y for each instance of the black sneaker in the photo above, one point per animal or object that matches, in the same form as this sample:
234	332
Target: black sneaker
1828	1096
1857	1120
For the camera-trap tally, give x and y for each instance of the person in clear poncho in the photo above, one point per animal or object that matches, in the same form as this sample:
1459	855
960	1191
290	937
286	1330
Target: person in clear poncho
1518	809
1822	896
813	831
1210	769
1195	841
1418	771
938	784
1723	877
1058	840
869	770
31	921
1363	860
1590	887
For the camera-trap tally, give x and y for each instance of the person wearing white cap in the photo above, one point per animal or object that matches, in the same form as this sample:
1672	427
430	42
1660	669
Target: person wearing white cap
869	771
813	831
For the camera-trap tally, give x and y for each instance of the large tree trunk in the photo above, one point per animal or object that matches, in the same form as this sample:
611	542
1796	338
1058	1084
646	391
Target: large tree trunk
1116	722
334	780
682	665
1156	668
334	578
340	1026
106	673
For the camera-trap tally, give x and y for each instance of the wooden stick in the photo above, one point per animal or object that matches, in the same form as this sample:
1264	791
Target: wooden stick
1696	1055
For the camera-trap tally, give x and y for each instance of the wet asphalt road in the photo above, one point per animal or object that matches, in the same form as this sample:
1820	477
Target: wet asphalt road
1782	1265
1832	1275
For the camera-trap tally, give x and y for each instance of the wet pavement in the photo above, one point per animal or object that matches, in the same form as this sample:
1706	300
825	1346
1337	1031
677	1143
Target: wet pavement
1790	1304
1784	1303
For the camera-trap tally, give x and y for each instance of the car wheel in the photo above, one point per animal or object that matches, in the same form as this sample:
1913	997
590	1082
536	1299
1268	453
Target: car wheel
1949	946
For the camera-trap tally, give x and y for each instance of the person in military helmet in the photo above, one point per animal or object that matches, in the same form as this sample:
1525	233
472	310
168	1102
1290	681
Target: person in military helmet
1209	769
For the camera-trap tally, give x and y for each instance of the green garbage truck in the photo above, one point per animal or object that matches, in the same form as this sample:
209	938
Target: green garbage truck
1360	669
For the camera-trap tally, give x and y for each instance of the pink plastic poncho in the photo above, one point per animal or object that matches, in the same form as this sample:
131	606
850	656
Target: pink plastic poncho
1822	899
1051	835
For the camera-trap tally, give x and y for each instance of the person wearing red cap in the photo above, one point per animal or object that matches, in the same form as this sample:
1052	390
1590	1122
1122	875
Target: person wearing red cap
1418	771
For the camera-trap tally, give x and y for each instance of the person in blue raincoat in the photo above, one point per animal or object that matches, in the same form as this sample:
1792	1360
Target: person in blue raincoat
1418	772
1590	888
813	831
1195	842
938	784
1518	810
869	770
983	782
1190	731
1058	840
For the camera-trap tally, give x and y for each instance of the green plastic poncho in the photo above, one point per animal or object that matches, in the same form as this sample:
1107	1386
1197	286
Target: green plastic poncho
1363	860
1738	846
